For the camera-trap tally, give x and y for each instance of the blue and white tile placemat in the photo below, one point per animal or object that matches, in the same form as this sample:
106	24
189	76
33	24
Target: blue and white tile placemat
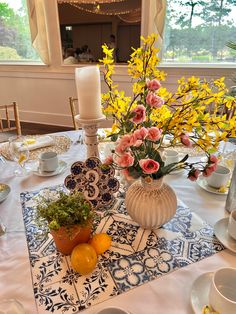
135	257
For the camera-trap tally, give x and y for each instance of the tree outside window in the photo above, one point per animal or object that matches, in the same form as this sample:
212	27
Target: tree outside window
198	31
15	40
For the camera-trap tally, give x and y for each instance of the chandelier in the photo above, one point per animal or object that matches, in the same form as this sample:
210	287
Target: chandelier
127	10
89	1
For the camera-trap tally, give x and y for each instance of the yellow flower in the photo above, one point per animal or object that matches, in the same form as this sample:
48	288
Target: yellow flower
198	107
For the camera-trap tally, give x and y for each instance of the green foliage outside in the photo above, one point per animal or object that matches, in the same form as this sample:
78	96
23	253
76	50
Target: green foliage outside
198	31
15	34
7	53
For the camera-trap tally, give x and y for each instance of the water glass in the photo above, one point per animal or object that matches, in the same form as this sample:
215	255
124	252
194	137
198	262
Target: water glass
2	229
19	151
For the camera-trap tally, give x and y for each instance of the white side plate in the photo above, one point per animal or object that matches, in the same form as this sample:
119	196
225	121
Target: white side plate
200	291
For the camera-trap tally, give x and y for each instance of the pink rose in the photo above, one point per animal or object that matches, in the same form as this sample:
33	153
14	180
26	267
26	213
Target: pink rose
153	84
185	140
108	161
138	143
126	174
140	114
125	160
149	165
141	134
154	134
213	159
193	174
213	167
123	144
154	100
208	170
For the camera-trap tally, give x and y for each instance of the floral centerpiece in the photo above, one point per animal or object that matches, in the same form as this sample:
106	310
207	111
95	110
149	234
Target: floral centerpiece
153	119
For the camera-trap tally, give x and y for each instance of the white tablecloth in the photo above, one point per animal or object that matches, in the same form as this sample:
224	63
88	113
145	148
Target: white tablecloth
169	294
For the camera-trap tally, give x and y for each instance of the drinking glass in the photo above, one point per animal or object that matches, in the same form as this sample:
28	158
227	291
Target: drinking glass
2	229
19	151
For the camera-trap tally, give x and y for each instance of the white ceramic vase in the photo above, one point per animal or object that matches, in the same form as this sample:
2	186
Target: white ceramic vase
150	204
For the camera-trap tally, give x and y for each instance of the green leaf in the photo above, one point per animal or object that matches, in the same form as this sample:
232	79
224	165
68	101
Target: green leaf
114	137
184	159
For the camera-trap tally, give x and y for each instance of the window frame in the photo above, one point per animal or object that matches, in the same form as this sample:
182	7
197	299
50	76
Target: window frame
54	42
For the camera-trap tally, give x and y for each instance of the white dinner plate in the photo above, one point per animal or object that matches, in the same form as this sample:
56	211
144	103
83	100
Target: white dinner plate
221	232
61	168
201	181
200	291
4	191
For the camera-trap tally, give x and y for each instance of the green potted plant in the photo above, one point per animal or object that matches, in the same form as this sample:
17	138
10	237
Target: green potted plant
69	219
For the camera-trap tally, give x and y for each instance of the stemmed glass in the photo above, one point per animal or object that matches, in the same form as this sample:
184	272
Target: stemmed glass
19	151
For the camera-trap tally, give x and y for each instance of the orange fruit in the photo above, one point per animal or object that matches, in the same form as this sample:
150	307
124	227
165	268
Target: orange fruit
83	258
100	242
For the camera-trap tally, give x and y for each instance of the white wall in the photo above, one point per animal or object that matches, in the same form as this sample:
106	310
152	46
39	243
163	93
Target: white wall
42	92
43	97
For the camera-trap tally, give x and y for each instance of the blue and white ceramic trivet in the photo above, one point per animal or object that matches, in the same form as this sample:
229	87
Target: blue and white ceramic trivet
135	257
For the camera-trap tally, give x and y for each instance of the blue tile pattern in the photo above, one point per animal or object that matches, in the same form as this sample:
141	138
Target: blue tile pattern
135	257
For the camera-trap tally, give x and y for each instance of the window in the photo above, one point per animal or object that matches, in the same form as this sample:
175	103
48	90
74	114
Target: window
15	39
198	31
86	25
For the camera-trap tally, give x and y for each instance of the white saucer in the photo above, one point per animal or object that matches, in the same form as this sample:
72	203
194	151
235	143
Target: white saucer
200	291
221	232
4	191
201	181
61	168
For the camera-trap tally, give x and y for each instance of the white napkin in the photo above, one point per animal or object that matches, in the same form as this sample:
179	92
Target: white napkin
41	141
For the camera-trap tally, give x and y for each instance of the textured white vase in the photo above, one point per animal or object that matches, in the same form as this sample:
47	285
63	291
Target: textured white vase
150	204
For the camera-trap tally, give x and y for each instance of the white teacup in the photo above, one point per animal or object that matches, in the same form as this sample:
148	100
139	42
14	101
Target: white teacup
219	177
222	296
112	310
48	162
232	225
170	156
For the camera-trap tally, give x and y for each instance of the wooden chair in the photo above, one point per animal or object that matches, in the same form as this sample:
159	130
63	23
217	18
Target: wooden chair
9	118
107	123
73	103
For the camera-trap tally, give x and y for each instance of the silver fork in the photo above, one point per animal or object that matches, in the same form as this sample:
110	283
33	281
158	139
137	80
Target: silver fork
78	141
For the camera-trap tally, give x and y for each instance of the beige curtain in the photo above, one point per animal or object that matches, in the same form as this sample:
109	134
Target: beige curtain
38	28
155	18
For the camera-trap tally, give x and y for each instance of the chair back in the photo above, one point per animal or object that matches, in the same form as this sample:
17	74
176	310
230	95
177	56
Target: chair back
107	123
73	106
9	118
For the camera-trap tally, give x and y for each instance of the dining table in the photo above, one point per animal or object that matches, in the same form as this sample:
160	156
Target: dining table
167	294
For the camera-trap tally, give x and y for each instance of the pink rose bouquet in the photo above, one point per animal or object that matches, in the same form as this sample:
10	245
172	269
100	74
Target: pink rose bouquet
137	155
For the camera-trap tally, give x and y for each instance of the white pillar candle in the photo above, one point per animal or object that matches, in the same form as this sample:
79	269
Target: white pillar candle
88	86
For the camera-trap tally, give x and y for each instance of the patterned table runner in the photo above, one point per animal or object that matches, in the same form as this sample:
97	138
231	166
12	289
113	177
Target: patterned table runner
135	257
